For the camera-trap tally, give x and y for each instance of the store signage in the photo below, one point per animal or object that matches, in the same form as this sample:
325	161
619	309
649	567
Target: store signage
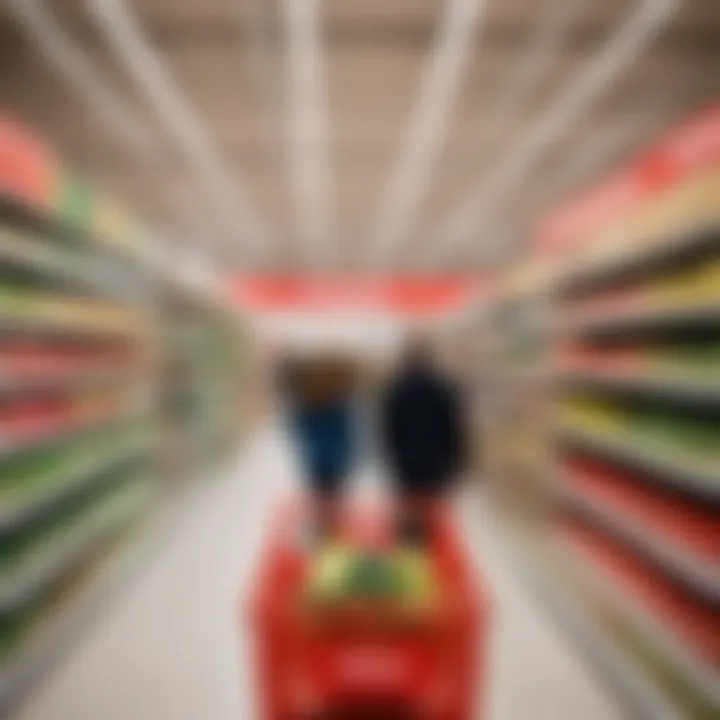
413	295
690	150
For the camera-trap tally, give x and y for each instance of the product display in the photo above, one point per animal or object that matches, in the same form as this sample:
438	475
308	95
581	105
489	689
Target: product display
76	426
203	382
629	473
81	385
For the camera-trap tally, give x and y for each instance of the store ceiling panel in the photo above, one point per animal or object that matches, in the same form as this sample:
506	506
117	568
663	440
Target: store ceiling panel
363	64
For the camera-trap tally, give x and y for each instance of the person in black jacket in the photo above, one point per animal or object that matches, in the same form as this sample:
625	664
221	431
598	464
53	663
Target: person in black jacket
422	427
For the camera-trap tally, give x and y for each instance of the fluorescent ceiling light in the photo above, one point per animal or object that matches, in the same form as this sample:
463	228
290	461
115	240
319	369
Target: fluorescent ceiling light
106	102
147	71
79	72
409	183
581	92
542	51
307	126
598	146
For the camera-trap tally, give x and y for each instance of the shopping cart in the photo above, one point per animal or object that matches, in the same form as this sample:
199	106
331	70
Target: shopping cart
368	661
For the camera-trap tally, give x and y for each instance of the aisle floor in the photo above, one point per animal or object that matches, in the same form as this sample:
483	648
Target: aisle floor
170	649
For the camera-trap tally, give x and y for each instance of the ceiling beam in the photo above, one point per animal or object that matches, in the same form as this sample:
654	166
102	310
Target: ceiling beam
308	146
77	69
138	144
147	71
534	63
423	141
473	213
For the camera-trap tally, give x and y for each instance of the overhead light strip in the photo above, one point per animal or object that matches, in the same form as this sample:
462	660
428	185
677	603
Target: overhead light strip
147	71
76	68
308	127
600	144
534	64
423	141
65	58
578	96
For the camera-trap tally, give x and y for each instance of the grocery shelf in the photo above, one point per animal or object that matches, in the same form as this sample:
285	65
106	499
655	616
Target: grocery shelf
17	213
676	474
19	506
63	430
704	315
53	558
703	577
703	675
643	698
91	274
642	258
38	324
666	387
631	403
85	303
79	377
58	628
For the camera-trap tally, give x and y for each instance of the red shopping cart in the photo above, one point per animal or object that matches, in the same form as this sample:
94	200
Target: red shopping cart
368	660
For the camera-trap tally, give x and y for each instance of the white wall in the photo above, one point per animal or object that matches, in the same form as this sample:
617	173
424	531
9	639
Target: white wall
366	333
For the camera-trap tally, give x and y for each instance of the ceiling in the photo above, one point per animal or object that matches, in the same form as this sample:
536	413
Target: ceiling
354	134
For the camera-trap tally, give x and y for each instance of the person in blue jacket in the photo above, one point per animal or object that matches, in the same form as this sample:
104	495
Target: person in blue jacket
320	403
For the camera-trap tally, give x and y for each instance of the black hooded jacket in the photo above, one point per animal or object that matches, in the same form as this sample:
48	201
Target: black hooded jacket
423	430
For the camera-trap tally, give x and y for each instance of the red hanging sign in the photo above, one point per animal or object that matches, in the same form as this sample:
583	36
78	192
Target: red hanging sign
406	295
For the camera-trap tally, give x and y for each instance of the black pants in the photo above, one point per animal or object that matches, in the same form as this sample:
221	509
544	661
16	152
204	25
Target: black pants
326	485
414	499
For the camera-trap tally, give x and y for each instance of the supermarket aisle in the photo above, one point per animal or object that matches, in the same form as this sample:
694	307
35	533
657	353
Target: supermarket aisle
168	650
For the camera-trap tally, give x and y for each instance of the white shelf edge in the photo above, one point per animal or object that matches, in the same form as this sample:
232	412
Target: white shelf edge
704	392
56	632
19	512
704	483
647	318
639	691
641	254
49	563
706	678
16	384
10	447
704	577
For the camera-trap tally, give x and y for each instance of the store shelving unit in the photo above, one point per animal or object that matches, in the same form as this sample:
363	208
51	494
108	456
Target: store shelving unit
639	420
84	375
204	378
78	432
654	385
684	476
631	544
548	584
515	397
76	422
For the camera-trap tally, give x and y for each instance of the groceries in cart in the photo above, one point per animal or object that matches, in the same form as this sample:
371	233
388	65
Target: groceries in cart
343	573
